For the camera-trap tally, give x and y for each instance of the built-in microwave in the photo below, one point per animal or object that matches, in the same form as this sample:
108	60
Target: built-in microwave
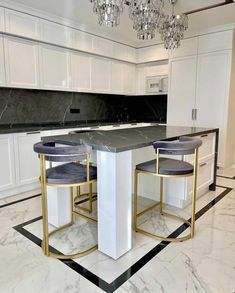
156	84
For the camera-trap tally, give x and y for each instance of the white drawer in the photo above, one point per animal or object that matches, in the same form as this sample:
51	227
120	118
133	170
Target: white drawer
205	176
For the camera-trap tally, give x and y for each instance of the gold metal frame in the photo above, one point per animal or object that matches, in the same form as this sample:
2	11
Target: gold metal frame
160	203
74	212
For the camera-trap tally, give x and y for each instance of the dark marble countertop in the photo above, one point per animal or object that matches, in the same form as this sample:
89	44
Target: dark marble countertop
127	139
17	128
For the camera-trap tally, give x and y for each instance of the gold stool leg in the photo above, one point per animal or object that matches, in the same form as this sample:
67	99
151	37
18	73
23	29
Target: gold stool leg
194	193
72	194
135	199
161	195
45	239
90	198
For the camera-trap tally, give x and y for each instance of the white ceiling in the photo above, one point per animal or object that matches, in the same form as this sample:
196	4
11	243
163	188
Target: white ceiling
80	11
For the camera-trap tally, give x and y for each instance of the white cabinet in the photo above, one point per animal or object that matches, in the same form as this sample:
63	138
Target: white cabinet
187	47
80	71
27	162
182	84
102	46
54	67
152	53
81	41
22	63
215	42
22	24
129	79
2	20
204	83
100	74
117	78
2	62
212	94
124	52
7	166
55	33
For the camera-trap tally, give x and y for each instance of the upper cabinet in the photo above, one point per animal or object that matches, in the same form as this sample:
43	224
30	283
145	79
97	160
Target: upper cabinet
187	47
55	33
129	79
22	63
22	24
80	71
215	42
117	77
124	52
2	23
100	74
2	62
102	46
81	41
55	69
152	53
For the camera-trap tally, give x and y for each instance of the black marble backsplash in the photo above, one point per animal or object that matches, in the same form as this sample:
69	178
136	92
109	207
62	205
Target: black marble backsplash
24	106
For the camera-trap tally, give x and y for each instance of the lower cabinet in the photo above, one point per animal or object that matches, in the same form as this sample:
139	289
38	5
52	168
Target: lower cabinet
7	166
19	166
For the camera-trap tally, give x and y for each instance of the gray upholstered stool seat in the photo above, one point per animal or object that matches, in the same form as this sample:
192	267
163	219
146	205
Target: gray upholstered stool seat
70	173
166	167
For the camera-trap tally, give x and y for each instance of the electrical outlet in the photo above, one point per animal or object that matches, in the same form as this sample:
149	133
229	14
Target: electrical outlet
74	111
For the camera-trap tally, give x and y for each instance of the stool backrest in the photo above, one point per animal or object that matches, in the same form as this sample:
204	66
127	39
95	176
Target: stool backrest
184	146
61	153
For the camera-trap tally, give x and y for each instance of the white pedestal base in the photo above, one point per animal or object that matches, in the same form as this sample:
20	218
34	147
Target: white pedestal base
114	202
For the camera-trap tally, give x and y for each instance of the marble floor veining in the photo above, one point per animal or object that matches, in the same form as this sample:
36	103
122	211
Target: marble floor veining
204	264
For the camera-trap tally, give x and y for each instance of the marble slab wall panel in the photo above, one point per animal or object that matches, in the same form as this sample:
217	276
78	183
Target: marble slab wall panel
20	106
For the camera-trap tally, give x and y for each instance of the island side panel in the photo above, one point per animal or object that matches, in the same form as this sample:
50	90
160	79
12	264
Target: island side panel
114	202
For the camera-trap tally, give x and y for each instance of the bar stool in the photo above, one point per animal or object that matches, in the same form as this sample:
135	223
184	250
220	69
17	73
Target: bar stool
165	167
75	171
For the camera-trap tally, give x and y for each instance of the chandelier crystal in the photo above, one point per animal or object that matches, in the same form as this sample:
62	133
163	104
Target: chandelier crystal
108	11
172	28
146	15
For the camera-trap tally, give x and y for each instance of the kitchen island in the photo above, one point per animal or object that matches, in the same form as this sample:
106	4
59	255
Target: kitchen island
114	152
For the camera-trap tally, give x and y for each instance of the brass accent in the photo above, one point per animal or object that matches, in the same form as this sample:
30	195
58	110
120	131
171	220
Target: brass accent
75	189
160	203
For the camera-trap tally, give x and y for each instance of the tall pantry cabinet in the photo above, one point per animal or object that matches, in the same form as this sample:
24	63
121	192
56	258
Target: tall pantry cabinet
202	88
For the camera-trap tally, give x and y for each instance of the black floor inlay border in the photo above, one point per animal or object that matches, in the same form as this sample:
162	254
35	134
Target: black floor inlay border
111	287
226	177
19	200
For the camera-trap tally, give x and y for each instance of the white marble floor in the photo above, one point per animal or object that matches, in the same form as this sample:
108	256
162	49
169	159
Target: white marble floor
203	264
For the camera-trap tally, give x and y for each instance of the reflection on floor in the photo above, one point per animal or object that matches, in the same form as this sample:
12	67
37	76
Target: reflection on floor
203	264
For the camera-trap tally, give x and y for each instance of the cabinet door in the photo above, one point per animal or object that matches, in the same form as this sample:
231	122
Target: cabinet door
54	65
129	79
182	86
2	22
27	162
55	33
7	166
22	24
212	93
81	41
80	71
22	67
2	62
117	77
100	74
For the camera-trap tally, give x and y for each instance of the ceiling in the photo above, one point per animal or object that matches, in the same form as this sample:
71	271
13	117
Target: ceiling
80	11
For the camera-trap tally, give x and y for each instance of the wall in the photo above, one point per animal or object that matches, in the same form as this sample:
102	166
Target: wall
20	106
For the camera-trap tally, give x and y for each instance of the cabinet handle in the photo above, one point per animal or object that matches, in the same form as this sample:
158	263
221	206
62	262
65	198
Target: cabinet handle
33	132
204	135
193	114
202	165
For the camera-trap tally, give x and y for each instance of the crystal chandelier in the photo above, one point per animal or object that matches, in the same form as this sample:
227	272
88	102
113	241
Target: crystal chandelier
172	28
145	15
108	11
